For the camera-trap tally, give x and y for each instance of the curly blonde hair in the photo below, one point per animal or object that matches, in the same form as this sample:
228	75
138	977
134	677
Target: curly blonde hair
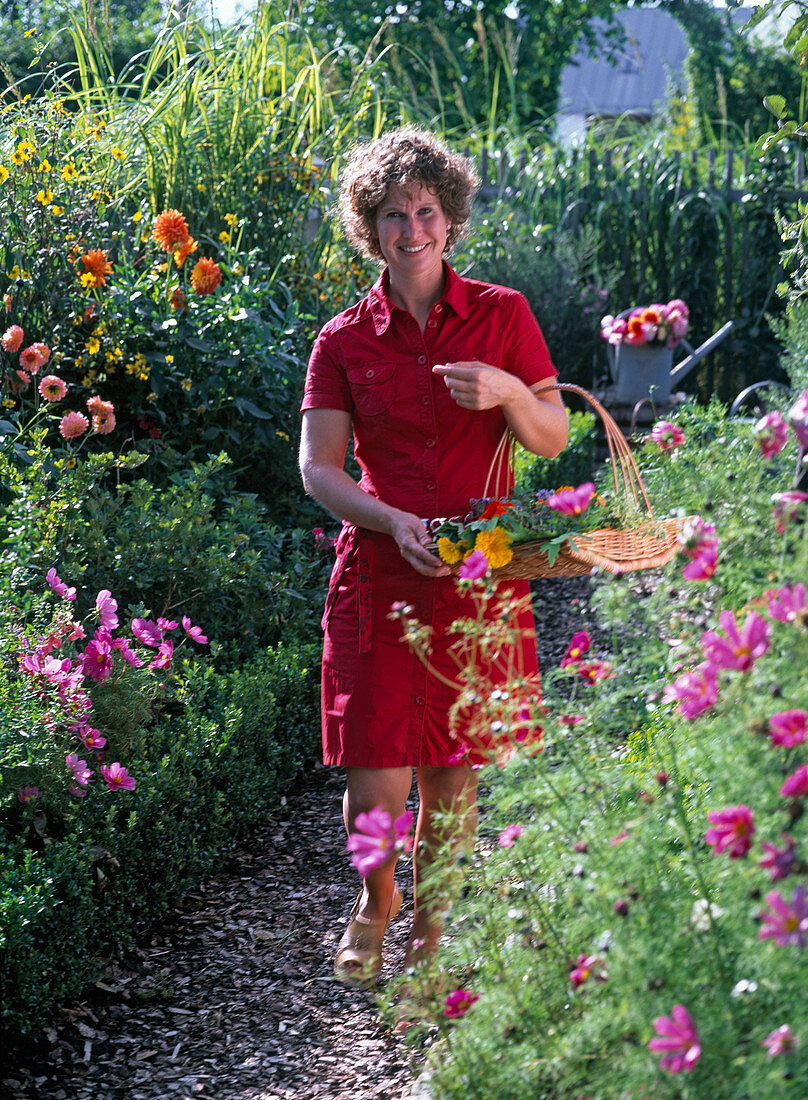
407	157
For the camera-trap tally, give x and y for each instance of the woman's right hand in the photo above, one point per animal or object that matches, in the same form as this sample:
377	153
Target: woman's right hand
412	539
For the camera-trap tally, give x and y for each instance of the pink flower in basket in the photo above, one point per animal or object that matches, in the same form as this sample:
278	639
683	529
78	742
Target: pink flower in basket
572	502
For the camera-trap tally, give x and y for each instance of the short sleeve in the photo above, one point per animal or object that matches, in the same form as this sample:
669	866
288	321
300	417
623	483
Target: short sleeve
326	382
526	352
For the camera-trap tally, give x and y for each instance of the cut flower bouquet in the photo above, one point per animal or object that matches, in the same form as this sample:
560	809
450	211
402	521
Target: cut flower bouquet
655	325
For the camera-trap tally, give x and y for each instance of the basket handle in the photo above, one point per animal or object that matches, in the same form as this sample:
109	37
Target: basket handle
619	451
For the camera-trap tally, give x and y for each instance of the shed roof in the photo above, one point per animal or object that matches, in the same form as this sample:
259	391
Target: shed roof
636	78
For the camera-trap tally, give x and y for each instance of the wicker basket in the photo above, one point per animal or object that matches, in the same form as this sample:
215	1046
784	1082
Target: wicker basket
648	546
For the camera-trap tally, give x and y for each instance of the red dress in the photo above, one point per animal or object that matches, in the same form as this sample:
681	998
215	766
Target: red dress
418	451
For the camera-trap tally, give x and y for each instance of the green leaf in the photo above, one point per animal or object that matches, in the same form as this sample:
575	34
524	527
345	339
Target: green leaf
246	406
776	104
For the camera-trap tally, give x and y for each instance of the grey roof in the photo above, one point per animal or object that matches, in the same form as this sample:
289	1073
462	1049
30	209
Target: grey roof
652	54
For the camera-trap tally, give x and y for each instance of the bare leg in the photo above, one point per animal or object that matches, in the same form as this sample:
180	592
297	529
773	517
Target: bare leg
440	789
387	788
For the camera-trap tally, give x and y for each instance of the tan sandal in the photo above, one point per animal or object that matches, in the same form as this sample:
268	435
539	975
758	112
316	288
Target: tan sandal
359	954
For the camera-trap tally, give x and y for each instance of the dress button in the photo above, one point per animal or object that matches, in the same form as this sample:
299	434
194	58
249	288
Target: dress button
431	486
425	400
370	373
419	700
421	358
430	443
432	324
438	308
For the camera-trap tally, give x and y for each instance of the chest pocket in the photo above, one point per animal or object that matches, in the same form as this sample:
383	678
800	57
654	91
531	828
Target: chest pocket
471	352
373	386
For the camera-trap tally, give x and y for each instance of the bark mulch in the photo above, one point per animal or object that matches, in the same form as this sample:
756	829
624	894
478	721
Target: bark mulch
233	997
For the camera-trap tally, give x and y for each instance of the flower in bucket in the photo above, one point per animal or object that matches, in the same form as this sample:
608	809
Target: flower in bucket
771	434
656	325
667	435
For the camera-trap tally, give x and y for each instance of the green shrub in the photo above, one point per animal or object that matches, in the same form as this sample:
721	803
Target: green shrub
573	466
206	772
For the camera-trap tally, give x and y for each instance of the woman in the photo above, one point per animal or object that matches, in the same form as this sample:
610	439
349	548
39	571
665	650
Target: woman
427	371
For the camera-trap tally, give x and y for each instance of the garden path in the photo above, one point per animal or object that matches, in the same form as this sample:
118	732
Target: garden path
232	997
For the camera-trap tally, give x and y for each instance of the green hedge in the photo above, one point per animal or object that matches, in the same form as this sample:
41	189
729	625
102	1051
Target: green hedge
204	777
573	466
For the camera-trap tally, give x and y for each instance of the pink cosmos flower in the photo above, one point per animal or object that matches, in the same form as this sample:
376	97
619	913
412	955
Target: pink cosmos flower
695	534
194	632
12	338
147	632
376	839
73	424
509	835
78	791
126	651
117	777
167	624
571	719
786	508
796	786
788	604
97	659
28	794
667	435
695	692
579	645
798	418
588	966
474	566
779	1041
572	502
779	862
593	672
34	357
91	738
678	1038
732	831
771	434
107	609
164	655
59	587
81	772
740	648
704	563
788	728
52	388
785	923
459	1002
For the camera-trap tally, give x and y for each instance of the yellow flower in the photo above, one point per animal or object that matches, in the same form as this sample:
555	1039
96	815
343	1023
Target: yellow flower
57	210
186	384
117	153
137	216
3	173
224	236
231	219
496	545
69	172
87	279
152	397
201	187
8	403
283	435
45	197
93	345
169	359
70	463
45	166
448	552
17	158
29	33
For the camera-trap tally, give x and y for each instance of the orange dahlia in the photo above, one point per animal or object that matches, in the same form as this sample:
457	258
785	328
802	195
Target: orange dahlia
177	299
205	276
96	264
184	251
170	230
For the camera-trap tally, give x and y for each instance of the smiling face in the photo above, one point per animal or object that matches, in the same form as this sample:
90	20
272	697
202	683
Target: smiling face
412	229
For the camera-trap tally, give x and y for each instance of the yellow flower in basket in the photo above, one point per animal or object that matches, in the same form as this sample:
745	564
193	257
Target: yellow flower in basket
496	545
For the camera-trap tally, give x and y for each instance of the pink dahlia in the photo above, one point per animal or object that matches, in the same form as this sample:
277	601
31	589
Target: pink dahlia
12	338
474	566
376	839
732	831
73	424
678	1038
52	388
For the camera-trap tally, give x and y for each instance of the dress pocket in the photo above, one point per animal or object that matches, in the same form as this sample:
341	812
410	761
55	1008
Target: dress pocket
373	386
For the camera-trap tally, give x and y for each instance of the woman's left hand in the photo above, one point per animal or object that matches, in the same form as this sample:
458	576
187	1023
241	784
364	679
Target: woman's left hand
477	385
